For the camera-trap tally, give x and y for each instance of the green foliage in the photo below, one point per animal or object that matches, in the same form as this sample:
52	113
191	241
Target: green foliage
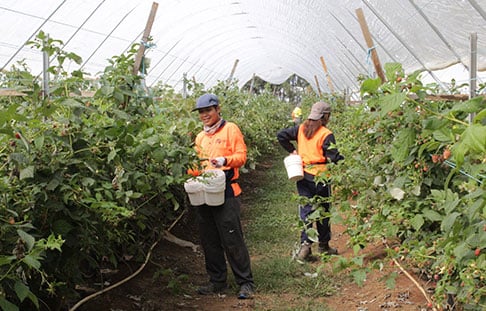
86	181
414	170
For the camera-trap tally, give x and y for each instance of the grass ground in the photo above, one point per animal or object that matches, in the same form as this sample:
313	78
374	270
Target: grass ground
270	219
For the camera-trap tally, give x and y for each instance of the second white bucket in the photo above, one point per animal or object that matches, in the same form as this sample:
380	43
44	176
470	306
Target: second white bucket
214	186
195	191
293	165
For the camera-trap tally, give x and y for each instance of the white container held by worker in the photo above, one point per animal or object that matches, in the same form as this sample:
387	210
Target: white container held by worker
214	185
293	165
195	191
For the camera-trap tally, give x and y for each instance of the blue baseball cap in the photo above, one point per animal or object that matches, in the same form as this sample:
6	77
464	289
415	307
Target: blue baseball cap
206	100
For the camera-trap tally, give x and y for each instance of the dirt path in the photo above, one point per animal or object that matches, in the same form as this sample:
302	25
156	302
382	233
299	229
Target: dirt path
157	287
169	280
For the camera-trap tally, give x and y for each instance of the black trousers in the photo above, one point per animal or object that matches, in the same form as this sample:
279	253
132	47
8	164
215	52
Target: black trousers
308	188
221	233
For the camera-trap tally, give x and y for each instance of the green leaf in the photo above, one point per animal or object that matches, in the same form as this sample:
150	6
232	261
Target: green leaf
448	221
27	172
370	86
53	184
391	102
106	90
461	250
27	238
480	116
72	103
21	290
474	138
443	134
470	106
359	276
312	234
434	124
7	305
432	215
417	222
402	143
6	260
392	69
112	155
52	242
32	262
88	181
34	299
39	142
390	280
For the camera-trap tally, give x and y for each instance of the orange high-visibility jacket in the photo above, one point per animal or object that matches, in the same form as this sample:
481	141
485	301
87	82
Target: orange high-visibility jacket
310	150
227	142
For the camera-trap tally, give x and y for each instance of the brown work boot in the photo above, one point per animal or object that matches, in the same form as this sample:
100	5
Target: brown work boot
325	248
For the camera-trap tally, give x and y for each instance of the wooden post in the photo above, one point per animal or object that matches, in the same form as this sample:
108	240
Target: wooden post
233	71
329	82
318	87
145	37
371	47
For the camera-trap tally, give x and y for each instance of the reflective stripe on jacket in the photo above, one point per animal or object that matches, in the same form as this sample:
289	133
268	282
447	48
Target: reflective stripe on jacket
311	150
227	142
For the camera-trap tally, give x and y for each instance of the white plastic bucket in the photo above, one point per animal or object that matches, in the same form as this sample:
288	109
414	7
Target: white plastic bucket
214	185
293	165
195	191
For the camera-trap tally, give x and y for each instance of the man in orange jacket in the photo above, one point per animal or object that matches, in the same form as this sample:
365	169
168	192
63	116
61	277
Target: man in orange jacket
222	144
316	146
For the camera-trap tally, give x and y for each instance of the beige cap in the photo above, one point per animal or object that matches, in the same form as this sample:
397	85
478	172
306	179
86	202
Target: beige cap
318	110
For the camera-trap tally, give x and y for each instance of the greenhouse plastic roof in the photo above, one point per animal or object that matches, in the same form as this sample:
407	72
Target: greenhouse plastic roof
271	39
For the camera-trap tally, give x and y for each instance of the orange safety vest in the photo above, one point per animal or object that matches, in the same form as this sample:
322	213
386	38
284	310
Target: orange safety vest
227	142
310	150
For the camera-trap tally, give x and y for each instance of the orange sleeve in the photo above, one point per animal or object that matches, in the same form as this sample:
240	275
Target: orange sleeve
238	157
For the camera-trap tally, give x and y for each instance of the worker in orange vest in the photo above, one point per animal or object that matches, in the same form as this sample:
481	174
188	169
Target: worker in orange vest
221	145
297	114
316	146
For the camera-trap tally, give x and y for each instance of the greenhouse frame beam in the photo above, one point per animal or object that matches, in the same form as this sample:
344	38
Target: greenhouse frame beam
84	22
170	64
162	58
32	35
77	30
409	49
354	57
436	30
345	64
106	38
177	69
349	33
476	6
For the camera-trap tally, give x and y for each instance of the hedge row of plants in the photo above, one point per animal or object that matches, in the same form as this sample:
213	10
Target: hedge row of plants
415	177
87	182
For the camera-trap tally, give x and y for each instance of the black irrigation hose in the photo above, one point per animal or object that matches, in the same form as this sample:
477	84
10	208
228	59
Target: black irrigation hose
87	298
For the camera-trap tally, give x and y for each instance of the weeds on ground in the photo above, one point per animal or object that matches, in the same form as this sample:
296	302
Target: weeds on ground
272	235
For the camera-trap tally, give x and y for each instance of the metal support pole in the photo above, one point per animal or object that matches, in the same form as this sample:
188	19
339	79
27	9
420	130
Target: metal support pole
184	86
473	69
45	70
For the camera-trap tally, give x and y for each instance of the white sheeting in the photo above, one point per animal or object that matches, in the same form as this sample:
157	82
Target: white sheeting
271	38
